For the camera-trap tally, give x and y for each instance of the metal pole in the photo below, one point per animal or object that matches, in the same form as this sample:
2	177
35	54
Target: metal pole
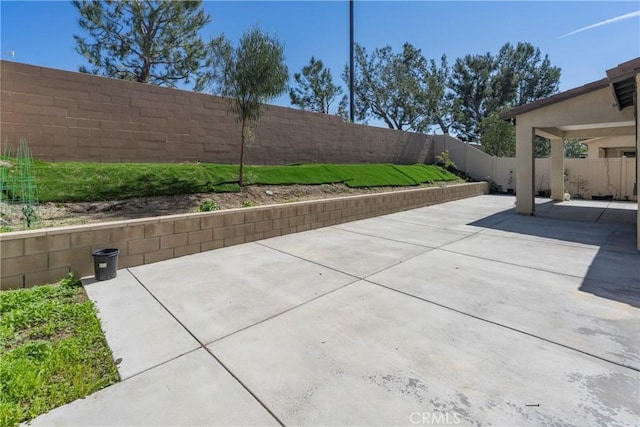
351	108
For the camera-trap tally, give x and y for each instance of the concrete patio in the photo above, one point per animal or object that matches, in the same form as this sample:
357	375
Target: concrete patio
462	313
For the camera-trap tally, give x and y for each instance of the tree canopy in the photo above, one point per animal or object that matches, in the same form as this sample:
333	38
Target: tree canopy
314	90
248	75
147	41
387	86
408	92
498	136
485	84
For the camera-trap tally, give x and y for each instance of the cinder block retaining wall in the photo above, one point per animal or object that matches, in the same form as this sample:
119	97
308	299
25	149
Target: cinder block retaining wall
69	116
41	256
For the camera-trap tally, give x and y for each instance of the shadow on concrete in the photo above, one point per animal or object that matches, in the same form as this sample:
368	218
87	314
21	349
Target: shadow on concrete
614	272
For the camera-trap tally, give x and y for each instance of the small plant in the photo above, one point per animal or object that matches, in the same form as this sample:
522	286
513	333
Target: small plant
208	206
494	188
71	281
581	185
510	180
444	160
247	203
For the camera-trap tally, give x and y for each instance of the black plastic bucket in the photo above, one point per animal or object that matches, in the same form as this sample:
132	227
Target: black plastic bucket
105	263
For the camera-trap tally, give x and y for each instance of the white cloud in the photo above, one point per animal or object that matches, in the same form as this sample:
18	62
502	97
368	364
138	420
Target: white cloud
605	22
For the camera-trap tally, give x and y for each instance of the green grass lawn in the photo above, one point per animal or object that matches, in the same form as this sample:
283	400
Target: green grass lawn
52	350
77	182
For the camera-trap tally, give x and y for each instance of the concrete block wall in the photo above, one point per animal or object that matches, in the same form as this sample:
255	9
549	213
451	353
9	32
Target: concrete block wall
68	116
36	257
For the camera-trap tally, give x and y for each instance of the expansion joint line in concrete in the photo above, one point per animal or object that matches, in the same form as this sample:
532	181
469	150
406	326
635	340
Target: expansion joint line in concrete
202	345
519	265
505	326
284	311
427	249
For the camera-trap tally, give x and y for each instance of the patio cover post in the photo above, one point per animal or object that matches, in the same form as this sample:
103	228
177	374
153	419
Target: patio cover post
525	168
556	174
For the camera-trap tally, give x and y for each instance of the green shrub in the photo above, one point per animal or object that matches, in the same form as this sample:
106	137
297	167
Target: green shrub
208	206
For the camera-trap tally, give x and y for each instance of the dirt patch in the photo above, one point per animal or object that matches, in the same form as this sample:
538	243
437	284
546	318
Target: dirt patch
61	214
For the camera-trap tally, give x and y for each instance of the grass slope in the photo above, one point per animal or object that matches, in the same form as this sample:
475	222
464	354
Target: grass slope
52	350
69	181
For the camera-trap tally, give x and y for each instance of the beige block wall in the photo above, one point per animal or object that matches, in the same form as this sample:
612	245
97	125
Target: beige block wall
72	116
42	256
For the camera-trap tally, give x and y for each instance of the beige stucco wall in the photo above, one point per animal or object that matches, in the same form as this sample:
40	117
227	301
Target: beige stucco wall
594	107
610	146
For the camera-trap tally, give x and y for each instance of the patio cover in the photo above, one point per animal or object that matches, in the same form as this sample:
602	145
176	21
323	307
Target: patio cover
607	107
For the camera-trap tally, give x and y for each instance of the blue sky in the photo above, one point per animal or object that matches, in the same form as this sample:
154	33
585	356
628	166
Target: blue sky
41	33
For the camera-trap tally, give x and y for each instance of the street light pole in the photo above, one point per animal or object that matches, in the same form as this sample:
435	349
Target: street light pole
351	109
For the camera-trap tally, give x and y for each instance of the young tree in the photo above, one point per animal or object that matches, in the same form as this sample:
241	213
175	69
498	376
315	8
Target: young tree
147	41
315	90
249	75
498	136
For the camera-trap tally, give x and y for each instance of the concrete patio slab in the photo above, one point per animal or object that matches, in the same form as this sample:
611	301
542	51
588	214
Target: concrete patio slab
549	256
580	210
351	253
551	230
366	355
239	287
469	315
547	305
140	333
389	228
451	219
193	390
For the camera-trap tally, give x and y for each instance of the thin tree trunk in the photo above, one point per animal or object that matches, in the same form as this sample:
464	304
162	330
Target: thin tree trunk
443	126
240	177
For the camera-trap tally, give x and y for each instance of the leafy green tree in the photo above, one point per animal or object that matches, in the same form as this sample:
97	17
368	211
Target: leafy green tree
315	90
145	41
523	76
248	75
387	86
541	147
484	84
574	149
437	98
498	136
471	83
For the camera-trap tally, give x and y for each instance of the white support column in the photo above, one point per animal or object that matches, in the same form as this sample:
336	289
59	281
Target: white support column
525	168
556	171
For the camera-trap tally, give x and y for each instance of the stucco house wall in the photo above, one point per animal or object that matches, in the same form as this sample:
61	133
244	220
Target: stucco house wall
610	146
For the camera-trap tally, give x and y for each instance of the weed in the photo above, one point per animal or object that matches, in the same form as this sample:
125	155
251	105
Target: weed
247	203
208	206
52	350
